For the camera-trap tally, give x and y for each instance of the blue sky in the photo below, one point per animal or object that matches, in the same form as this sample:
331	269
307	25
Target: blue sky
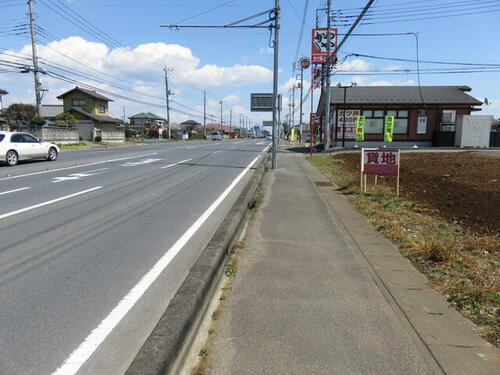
230	64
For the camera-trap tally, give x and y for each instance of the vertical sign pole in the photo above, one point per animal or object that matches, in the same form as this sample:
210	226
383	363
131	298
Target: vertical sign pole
362	168
327	81
376	179
397	182
275	77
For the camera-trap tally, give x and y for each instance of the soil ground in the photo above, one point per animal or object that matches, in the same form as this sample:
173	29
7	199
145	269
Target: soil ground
463	187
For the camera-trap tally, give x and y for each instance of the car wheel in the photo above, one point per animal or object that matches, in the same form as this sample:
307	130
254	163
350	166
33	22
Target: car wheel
11	158
52	154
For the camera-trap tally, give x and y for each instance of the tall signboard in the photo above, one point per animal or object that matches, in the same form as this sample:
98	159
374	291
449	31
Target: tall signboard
319	45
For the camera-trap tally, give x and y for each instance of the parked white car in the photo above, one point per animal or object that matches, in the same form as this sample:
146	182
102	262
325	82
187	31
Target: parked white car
15	146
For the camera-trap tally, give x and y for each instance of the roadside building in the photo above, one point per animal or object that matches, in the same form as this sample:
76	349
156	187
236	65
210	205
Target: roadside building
3	121
50	111
227	131
424	116
145	119
92	112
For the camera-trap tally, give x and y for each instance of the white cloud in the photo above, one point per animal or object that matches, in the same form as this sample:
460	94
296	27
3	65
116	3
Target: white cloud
358	65
237	75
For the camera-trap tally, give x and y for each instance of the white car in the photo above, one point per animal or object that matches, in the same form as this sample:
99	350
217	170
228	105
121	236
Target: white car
15	146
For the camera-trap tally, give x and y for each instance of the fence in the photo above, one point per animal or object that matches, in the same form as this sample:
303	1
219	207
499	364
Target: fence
58	134
111	135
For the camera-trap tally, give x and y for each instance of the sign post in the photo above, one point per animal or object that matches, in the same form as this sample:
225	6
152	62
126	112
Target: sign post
319	52
379	162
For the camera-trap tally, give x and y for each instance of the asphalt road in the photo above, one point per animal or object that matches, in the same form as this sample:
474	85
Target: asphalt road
77	235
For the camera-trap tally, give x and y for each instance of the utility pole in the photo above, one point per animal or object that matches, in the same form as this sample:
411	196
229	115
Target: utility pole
204	113
168	93
221	130
275	77
301	99
327	83
230	120
36	69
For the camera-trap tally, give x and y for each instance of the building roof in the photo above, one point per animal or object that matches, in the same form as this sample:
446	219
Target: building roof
216	127
51	110
85	91
409	95
3	92
147	115
190	122
96	118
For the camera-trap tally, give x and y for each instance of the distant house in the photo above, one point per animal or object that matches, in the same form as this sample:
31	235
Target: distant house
50	111
91	110
227	131
3	121
145	119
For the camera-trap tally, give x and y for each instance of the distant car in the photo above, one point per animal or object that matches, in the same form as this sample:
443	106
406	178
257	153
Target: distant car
216	136
15	146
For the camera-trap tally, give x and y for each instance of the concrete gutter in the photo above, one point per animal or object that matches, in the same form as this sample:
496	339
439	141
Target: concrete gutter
167	347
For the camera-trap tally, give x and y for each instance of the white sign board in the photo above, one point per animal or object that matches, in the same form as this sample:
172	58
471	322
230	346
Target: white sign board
348	122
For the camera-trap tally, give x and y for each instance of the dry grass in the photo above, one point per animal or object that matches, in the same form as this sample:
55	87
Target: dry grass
462	265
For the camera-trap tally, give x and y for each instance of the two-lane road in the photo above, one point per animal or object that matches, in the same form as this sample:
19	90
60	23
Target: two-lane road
93	249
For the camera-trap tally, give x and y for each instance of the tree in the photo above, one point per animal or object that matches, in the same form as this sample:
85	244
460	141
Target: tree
37	121
65	119
20	113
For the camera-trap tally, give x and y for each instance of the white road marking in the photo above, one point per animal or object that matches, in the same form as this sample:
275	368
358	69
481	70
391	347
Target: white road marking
140	162
179	162
77	166
3	216
77	176
81	354
216	152
13	191
260	143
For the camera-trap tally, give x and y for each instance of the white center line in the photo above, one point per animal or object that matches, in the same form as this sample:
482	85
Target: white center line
81	354
179	162
13	191
3	216
77	166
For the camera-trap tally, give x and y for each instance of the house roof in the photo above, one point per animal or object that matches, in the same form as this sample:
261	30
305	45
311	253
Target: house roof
51	110
85	91
216	127
374	95
147	115
96	118
3	92
190	122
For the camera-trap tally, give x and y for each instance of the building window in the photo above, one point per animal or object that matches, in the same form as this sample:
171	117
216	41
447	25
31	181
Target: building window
375	121
101	108
401	123
78	102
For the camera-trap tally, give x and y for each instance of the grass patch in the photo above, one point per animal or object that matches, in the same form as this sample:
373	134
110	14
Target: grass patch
73	146
459	263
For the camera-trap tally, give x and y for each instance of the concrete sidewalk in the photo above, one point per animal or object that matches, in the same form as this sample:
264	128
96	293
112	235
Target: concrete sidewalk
318	291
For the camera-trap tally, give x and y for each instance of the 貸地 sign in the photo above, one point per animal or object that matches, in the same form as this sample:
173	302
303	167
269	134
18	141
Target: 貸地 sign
383	162
320	43
347	121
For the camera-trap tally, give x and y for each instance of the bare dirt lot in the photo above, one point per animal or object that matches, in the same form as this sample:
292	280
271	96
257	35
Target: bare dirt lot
462	187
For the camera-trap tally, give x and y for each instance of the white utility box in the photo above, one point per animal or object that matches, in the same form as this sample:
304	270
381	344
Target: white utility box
473	130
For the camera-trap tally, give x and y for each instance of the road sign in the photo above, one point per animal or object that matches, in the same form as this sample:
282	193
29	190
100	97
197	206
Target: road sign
261	102
319	45
304	63
267	123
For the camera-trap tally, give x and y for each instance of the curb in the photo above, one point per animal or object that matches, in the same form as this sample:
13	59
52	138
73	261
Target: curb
166	348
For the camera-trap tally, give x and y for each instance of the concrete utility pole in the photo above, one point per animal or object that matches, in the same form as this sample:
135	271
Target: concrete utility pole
204	113
36	69
168	93
327	83
301	99
222	131
230	119
275	77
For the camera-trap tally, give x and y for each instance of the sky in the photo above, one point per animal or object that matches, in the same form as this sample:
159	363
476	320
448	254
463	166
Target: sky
118	47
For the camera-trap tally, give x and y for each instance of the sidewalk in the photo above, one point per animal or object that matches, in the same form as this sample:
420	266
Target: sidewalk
318	291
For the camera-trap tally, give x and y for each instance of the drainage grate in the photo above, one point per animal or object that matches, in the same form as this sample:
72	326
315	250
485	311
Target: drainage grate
324	183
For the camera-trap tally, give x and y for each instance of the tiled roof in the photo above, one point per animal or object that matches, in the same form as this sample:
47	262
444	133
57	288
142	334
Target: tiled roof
363	95
51	110
97	118
85	91
147	115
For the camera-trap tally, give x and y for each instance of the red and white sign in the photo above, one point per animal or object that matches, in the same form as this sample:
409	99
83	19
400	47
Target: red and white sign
304	63
320	43
382	162
347	121
315	77
315	119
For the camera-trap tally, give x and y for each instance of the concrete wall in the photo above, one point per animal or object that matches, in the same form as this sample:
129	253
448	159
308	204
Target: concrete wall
58	134
110	135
